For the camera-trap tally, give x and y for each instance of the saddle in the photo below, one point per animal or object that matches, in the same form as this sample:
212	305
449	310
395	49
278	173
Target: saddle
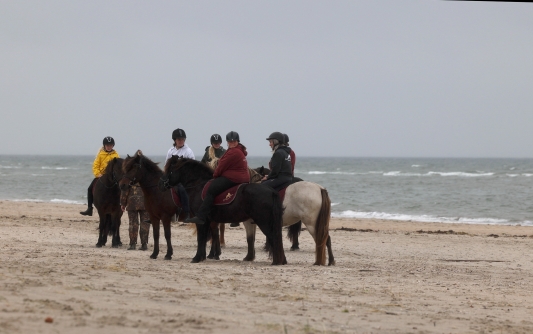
175	197
225	197
282	188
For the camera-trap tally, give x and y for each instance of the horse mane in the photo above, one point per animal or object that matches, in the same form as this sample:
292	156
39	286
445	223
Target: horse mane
199	167
147	164
110	165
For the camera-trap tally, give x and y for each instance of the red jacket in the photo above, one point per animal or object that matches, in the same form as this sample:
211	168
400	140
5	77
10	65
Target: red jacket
233	165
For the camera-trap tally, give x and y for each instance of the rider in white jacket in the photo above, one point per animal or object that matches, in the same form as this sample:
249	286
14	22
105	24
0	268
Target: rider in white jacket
179	148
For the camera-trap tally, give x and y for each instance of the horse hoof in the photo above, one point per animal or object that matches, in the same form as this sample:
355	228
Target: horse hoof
114	246
99	245
332	263
217	258
210	257
295	249
168	257
196	260
248	259
153	256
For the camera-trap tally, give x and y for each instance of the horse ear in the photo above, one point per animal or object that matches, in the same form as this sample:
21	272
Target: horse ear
128	156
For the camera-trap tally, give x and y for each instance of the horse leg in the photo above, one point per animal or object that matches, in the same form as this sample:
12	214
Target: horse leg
250	240
201	237
155	228
166	227
115	227
101	228
293	233
215	242
331	260
222	240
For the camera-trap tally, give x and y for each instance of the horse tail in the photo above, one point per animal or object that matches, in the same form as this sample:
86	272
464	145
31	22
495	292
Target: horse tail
322	228
112	226
276	217
294	230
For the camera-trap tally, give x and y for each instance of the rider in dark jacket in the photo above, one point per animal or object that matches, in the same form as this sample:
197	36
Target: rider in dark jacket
215	150
280	163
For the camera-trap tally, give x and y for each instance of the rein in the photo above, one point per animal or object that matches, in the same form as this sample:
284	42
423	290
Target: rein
114	179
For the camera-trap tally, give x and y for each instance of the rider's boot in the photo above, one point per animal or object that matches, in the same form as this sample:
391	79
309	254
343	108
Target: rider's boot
88	212
132	247
143	247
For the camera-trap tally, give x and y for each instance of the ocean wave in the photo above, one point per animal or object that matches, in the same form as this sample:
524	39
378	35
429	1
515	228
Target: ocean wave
26	200
10	167
334	173
333	204
464	174
426	218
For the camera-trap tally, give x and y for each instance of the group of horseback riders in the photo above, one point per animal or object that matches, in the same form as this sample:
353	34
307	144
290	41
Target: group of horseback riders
232	169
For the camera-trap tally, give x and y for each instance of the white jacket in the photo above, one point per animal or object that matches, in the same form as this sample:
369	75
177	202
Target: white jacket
184	151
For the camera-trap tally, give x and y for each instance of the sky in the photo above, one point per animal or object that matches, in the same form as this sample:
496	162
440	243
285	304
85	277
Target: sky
397	78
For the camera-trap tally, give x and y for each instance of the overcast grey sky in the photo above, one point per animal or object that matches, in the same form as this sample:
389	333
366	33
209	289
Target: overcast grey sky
342	78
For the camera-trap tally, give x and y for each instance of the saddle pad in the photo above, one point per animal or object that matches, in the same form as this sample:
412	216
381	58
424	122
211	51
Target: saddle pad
225	197
175	197
282	193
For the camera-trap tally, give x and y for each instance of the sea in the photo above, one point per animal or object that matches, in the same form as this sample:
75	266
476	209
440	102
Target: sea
448	190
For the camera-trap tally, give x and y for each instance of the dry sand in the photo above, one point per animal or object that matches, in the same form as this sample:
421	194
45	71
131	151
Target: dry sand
390	277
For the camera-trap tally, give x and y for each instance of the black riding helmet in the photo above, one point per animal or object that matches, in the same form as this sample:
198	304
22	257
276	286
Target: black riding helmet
216	139
232	136
178	133
109	141
278	136
286	138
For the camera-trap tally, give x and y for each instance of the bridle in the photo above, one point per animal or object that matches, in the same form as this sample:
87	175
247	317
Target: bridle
134	180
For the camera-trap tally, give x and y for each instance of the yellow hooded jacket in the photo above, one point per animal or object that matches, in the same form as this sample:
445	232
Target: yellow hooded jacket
101	161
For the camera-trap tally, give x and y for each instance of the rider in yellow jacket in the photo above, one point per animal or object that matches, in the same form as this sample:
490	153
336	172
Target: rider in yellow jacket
106	154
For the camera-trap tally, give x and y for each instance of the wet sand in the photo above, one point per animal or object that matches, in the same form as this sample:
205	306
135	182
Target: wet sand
390	277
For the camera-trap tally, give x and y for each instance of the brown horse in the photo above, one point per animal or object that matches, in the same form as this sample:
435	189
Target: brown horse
106	194
159	205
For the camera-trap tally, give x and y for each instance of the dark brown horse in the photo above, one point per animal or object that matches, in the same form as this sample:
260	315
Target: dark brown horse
159	205
253	202
107	202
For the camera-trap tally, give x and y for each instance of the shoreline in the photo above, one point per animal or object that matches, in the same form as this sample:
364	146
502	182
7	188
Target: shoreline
365	221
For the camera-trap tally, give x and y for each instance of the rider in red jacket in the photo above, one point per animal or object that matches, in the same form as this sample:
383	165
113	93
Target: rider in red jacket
232	169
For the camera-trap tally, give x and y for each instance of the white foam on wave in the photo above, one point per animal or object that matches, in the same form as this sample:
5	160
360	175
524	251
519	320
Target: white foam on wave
10	167
56	168
416	166
65	201
527	175
461	174
333	204
426	218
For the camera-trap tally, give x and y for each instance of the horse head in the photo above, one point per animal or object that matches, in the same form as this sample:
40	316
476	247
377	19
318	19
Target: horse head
132	171
185	171
171	175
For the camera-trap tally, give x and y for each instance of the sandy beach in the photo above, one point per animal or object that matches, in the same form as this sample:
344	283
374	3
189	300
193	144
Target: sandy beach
389	277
